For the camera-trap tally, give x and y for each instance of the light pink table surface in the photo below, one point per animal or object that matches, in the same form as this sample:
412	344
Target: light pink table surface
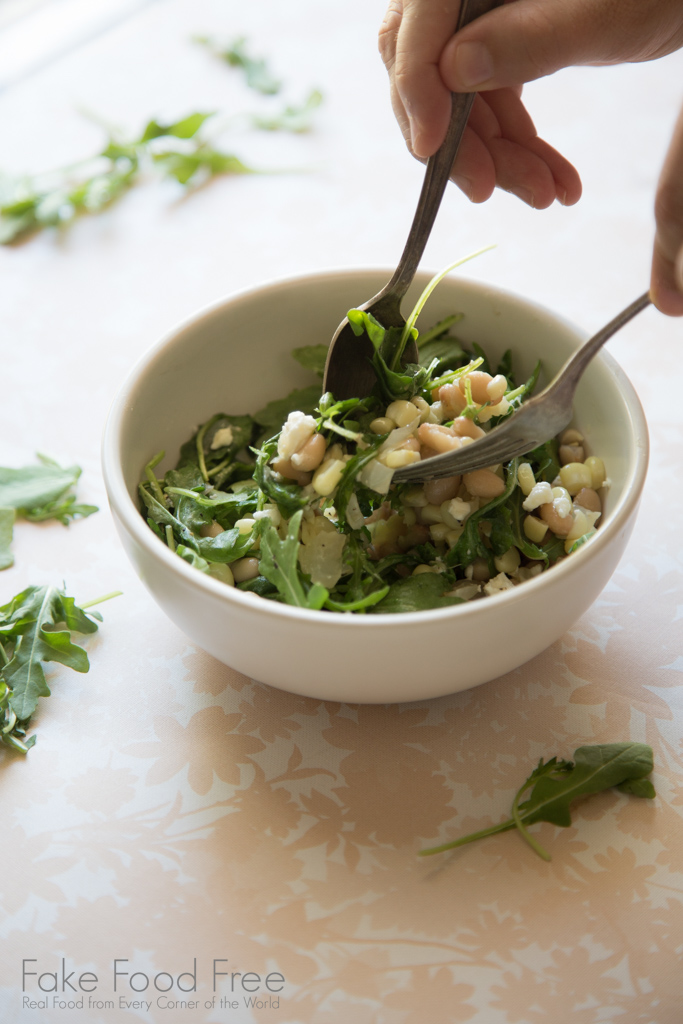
173	809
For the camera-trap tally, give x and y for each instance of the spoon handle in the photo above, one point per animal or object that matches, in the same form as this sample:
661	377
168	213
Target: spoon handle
439	167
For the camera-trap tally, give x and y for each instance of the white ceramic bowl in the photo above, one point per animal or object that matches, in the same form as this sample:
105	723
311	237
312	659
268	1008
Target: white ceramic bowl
234	357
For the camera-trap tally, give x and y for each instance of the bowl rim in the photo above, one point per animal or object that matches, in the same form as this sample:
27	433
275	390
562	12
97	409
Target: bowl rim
129	515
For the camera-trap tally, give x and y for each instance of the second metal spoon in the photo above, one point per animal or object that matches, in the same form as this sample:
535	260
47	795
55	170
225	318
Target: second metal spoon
348	372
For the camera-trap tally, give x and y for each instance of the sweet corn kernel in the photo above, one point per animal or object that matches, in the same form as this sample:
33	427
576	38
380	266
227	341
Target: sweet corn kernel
453	536
439	532
431	514
569	544
597	471
414	497
382	425
402	413
571	436
508	562
583	522
420	569
535	529
525	478
400	457
245	525
575	476
327	476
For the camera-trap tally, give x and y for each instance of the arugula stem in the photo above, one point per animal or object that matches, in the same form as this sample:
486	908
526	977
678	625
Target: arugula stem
105	597
221	465
201	434
170	539
3	656
517	818
410	322
152	478
504	826
438	329
454	375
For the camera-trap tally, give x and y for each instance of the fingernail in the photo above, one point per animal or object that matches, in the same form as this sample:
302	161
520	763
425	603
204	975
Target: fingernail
473	64
465	185
524	194
562	198
679	269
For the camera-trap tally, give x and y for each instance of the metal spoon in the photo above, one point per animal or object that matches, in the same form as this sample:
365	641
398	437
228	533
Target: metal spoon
348	373
537	421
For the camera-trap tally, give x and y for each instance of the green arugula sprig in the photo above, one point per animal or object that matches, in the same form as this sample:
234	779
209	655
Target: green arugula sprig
37	493
557	783
179	150
29	204
256	71
30	635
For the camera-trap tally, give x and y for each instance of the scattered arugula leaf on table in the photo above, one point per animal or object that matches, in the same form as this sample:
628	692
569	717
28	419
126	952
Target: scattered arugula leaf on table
557	783
37	493
30	635
6	532
28	204
256	72
293	118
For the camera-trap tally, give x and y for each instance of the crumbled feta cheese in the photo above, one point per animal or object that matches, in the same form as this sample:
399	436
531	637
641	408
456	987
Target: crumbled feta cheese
222	438
562	503
296	431
459	509
498	584
540	494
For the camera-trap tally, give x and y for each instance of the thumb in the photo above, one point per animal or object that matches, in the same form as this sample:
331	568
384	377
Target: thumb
667	261
527	39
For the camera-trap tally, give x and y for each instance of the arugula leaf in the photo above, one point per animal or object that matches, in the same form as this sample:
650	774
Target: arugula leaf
312	357
183	129
6	531
470	544
507	530
505	365
34	486
275	413
226	547
395	381
545	460
29	636
445	353
205	162
417	593
279	561
287	497
297	119
37	493
235	54
556	784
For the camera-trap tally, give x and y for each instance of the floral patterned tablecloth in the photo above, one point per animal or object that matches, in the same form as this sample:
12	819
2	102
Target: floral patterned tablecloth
177	819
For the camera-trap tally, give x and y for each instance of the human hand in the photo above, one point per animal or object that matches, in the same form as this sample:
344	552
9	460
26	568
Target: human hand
494	55
500	145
